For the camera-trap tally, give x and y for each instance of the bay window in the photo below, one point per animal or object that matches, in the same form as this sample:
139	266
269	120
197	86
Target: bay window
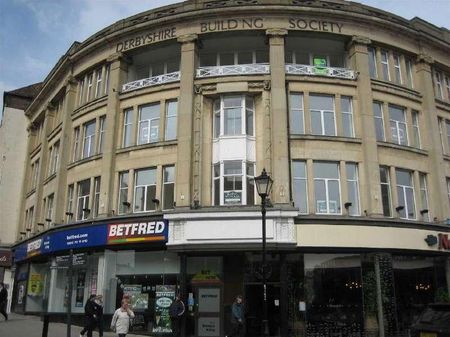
233	115
233	183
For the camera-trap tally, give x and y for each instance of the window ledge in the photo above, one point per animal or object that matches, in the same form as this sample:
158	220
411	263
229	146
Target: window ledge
326	138
147	145
446	157
49	178
54	132
84	160
403	147
386	86
90	104
442	103
30	192
35	150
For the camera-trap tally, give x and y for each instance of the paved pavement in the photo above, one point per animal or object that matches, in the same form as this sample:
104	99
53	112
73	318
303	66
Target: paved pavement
31	326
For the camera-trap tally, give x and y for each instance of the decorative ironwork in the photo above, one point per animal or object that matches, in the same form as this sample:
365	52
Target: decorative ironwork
236	69
304	69
151	81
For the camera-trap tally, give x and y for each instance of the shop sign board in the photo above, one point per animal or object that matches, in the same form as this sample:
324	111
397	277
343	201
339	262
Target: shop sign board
209	300
5	258
94	236
79	259
209	326
441	240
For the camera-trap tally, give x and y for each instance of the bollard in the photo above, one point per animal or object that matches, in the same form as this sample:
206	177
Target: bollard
45	320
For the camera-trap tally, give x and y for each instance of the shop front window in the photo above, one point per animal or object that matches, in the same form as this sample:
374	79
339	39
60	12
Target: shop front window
145	277
333	289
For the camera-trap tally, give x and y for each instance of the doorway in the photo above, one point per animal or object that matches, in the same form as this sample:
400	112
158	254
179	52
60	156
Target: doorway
253	294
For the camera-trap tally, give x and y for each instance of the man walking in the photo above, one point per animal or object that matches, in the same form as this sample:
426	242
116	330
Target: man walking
3	300
176	312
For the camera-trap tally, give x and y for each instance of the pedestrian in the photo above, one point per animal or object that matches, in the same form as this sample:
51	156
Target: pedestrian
3	300
237	317
120	322
90	316
99	312
176	312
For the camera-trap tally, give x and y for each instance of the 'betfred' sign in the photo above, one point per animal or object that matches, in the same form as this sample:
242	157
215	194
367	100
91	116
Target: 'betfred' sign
137	232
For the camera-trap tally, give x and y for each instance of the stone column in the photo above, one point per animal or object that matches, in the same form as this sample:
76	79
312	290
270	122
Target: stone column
65	149
118	73
438	187
183	178
279	118
370	188
43	169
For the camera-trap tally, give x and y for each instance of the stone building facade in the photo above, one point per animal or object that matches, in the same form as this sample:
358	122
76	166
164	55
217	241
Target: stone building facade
145	139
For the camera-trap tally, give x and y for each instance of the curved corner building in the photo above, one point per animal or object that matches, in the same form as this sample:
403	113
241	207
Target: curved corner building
145	140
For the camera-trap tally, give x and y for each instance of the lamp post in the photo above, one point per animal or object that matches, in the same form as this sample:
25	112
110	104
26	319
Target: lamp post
263	186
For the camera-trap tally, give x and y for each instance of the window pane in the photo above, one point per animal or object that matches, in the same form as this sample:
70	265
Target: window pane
232	121
334	196
151	193
217	192
328	118
300	195
169	174
299	169
208	60
321	102
372	63
347	125
216	125
171	120
139	199
321	196
232	167
249	122
169	195
232	101
226	59
149	112
296	122
250	191
316	123
396	113
245	57
385	196
146	177
403	178
401	201
326	170
262	56
410	203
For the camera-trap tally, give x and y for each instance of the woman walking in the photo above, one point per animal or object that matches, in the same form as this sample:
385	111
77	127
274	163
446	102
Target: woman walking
120	322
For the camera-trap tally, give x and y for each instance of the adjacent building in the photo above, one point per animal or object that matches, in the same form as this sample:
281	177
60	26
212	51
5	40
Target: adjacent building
145	139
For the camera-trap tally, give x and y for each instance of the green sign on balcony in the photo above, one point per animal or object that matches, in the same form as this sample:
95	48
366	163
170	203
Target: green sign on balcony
320	66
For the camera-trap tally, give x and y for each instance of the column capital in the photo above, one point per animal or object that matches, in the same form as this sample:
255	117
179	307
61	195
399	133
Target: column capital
71	80
425	58
358	39
187	38
118	57
276	32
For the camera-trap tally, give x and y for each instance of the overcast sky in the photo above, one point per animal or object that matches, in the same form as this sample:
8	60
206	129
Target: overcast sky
35	33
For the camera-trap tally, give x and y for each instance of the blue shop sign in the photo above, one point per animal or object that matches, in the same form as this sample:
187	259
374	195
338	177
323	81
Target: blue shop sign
93	236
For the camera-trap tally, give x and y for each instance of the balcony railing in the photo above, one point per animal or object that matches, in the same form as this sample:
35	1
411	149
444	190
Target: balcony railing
148	82
236	69
303	69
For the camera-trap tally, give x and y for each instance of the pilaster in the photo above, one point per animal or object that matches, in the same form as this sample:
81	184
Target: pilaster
65	151
370	188
437	184
184	165
118	72
279	118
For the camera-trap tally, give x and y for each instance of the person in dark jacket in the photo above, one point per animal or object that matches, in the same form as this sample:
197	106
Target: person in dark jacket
99	312
3	300
90	316
237	318
176	312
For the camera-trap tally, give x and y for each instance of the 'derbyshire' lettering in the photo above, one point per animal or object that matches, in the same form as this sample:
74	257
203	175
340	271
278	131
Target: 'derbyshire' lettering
141	40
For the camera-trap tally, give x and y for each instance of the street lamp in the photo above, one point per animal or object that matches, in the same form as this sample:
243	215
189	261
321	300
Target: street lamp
263	186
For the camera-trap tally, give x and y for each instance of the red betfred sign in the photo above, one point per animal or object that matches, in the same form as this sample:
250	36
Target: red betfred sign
138	232
444	243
